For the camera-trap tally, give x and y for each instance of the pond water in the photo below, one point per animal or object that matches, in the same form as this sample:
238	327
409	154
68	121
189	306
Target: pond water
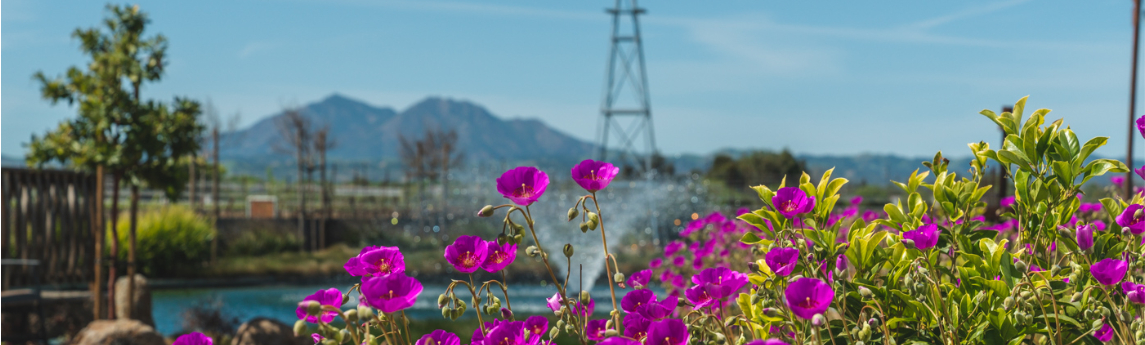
279	302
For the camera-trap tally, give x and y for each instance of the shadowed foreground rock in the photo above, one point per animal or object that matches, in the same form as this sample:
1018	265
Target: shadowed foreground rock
141	303
264	331
118	332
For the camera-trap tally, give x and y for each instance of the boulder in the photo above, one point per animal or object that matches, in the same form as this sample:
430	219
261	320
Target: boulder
141	304
264	331
118	332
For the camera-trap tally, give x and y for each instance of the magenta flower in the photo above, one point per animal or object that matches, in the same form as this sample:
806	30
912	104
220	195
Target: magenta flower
659	310
640	279
636	326
667	332
702	296
618	341
858	199
1008	201
595	329
467	253
782	260
329	297
727	280
391	292
523	185
1140	171
767	342
841	262
537	325
1117	180
655	263
500	256
507	333
1134	292
1141	125
925	237
374	260
1133	218
317	338
1109	271
808	296
791	201
673	247
439	337
679	261
594	175
1105	334
636	298
194	338
555	304
1084	237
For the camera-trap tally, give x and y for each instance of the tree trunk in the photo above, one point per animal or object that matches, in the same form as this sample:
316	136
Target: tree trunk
215	196
131	249
301	203
113	261
99	230
191	187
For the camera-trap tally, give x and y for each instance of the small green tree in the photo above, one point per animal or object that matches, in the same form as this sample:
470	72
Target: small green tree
140	141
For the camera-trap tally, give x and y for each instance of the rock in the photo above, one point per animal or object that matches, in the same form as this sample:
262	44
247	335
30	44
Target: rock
118	332
264	331
142	300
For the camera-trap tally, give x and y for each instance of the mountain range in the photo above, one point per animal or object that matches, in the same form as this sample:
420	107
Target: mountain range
363	132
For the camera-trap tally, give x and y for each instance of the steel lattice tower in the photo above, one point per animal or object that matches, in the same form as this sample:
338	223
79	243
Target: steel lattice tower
626	114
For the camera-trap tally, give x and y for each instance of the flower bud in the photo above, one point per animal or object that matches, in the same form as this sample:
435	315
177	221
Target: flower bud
299	327
1021	266
594	217
865	292
618	277
771	312
573	212
818	320
442	300
1076	297
506	314
908	243
532	251
313	308
610	333
585	297
591	224
568	250
1055	270
341	336
518	229
1008	303
584	227
1096	324
485	211
553	333
447	313
352	315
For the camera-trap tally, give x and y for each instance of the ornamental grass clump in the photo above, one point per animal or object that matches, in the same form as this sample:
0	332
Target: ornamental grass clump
805	267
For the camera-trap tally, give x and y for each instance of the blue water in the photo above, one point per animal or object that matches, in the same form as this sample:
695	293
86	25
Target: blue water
279	302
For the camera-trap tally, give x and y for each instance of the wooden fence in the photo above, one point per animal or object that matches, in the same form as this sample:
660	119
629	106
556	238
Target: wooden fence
47	216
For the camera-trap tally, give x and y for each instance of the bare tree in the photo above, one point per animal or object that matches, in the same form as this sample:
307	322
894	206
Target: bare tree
295	131
430	158
323	143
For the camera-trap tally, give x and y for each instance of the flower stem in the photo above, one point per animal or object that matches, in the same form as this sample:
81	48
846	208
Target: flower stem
604	241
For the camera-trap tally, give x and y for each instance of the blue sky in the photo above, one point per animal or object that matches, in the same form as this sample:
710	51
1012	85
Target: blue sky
842	77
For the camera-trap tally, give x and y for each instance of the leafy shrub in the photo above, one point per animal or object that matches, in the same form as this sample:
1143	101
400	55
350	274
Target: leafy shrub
261	242
169	239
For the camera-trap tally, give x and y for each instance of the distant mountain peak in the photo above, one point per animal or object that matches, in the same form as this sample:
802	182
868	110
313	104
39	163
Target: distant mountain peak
368	132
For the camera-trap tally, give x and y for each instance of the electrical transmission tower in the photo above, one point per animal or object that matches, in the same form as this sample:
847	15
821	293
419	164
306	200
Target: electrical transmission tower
626	115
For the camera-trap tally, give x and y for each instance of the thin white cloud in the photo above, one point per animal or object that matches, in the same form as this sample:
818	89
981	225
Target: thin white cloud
254	48
966	13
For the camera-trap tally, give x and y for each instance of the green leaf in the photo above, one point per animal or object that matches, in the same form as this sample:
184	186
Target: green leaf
1088	148
750	238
